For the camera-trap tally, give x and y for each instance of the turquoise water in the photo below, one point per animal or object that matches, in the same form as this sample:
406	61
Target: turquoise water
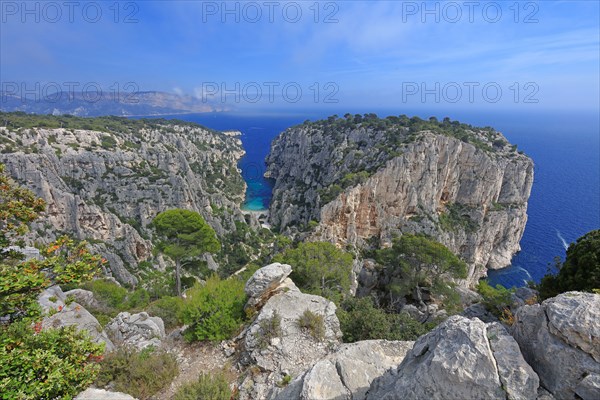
564	203
257	134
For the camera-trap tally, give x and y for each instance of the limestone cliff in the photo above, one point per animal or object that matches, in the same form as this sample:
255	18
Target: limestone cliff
366	180
105	179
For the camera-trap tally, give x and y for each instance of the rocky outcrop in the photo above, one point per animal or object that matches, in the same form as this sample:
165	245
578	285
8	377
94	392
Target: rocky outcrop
266	282
275	344
365	183
347	373
64	313
107	186
101	394
136	330
560	339
460	359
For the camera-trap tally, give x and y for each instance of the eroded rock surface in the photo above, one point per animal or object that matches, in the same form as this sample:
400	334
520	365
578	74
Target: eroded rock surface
560	339
460	359
347	373
136	330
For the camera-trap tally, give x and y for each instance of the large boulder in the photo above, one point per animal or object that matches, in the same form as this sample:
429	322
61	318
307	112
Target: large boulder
136	330
347	373
101	394
461	359
54	301
288	348
561	340
266	282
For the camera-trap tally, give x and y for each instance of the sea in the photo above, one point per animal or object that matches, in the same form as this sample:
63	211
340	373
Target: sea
565	147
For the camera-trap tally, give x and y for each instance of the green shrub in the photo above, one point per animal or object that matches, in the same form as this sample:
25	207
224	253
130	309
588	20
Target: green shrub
215	310
496	300
361	320
45	364
107	293
580	271
270	328
207	387
112	298
313	323
319	268
167	308
138	373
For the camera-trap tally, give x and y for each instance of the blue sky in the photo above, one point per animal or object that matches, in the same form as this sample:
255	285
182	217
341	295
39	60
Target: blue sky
364	55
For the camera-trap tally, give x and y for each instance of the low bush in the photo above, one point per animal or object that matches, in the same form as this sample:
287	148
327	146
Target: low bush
38	363
214	311
360	319
167	308
207	387
495	299
313	323
141	374
270	328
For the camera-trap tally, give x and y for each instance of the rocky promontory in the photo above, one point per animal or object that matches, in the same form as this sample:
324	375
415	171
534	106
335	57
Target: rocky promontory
360	181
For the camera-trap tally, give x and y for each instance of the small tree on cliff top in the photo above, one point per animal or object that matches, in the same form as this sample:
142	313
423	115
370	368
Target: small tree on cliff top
184	236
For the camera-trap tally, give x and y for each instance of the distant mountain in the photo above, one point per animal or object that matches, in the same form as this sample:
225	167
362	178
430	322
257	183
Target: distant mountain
108	103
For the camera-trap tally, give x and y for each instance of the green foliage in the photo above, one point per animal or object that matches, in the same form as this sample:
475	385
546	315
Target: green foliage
457	217
270	328
319	268
312	323
214	311
34	362
416	261
207	387
580	271
184	236
167	308
495	299
138	373
112	299
360	319
40	363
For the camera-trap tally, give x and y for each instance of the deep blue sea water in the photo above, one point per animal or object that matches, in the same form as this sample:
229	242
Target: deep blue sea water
565	199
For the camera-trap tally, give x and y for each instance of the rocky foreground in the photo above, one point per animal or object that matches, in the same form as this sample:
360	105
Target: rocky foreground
551	350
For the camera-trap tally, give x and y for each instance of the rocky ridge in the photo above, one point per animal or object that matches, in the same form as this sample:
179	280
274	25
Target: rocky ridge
106	179
364	182
548	353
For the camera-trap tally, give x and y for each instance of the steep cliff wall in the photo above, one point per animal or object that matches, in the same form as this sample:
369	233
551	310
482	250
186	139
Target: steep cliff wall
365	182
107	186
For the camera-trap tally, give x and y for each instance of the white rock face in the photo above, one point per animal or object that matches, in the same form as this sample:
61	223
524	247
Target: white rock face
290	349
347	373
54	298
409	192
137	330
101	394
460	359
109	190
264	282
560	340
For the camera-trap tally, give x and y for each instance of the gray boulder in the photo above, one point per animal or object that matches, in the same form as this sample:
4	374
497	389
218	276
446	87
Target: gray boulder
101	394
461	359
265	282
347	373
289	349
54	299
136	330
560	339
